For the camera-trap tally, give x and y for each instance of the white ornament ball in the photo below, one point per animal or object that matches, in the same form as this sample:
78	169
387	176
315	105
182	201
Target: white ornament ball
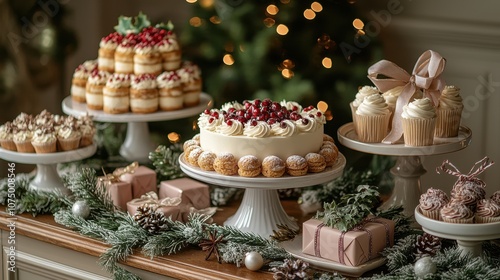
80	208
253	261
424	266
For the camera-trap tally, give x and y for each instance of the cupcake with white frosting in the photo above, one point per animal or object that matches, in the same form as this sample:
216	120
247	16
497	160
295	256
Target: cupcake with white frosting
363	92
419	120
170	91
170	54
44	140
372	119
6	136
69	135
449	112
87	129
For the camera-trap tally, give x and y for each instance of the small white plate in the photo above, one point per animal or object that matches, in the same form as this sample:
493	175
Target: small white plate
294	247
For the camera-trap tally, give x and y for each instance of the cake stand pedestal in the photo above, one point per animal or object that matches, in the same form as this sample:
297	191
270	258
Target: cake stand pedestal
46	178
408	168
260	210
137	144
469	237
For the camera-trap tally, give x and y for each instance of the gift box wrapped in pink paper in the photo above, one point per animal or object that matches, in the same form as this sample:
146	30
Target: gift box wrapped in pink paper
351	248
141	178
170	206
120	192
192	192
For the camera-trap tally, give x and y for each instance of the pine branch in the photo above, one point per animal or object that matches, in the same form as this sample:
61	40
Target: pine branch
166	162
401	253
402	223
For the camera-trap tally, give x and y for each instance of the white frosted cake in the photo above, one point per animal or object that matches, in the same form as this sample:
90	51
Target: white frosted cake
260	129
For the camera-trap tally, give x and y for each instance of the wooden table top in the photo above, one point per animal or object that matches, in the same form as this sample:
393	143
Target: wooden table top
189	263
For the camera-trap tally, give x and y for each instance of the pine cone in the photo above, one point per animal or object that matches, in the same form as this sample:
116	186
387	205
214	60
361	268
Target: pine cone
427	245
291	270
148	219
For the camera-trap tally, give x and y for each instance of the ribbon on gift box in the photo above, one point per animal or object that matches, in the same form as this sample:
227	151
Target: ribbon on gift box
151	199
108	179
479	167
127	169
426	75
360	226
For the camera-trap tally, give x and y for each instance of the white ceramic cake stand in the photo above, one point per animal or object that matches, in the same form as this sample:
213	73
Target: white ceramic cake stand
469	237
137	144
260	210
408	168
47	178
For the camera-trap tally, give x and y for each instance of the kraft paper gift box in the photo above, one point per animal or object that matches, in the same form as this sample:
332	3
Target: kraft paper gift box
142	178
119	192
350	248
192	193
169	206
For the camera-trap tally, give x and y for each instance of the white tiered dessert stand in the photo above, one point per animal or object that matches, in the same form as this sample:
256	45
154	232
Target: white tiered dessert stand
469	237
47	178
408	168
137	144
260	210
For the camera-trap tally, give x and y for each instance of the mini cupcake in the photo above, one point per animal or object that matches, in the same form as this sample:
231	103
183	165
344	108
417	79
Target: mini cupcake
170	91
44	140
116	94
372	119
45	118
124	55
431	202
391	97
419	119
360	96
488	211
457	213
69	135
143	94
191	83
170	54
449	112
496	197
6	136
106	53
22	140
147	60
79	80
95	85
468	195
87	130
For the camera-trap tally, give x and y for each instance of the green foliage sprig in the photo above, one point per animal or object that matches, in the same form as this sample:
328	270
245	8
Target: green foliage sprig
166	163
28	200
351	210
128	25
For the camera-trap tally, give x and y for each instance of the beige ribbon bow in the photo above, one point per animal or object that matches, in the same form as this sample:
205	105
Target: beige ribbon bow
151	198
426	76
127	169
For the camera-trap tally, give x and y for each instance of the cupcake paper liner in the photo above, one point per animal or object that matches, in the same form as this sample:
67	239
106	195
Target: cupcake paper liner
447	122
418	132
459	221
45	148
25	147
8	144
484	220
372	129
432	214
69	144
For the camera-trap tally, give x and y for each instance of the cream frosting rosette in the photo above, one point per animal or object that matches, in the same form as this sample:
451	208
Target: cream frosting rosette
449	112
363	92
419	120
372	119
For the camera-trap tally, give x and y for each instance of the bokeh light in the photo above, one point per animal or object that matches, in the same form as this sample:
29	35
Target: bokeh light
287	73
228	59
282	29
309	14
322	106
272	10
358	24
327	62
195	21
317	7
173	137
269	22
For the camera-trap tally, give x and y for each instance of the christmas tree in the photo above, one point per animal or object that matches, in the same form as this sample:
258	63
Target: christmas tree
294	50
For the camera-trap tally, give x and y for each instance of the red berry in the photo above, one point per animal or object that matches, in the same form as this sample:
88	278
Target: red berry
294	116
275	106
211	120
215	114
319	114
253	123
229	122
230	110
305	121
271	121
273	115
309	108
255	111
266	103
242	119
247	104
256	102
295	108
283	125
206	112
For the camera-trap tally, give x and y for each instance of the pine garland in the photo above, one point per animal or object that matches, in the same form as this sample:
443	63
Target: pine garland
125	236
27	200
166	163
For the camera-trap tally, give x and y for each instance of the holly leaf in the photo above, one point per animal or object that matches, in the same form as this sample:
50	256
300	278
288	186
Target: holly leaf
141	21
125	25
167	26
